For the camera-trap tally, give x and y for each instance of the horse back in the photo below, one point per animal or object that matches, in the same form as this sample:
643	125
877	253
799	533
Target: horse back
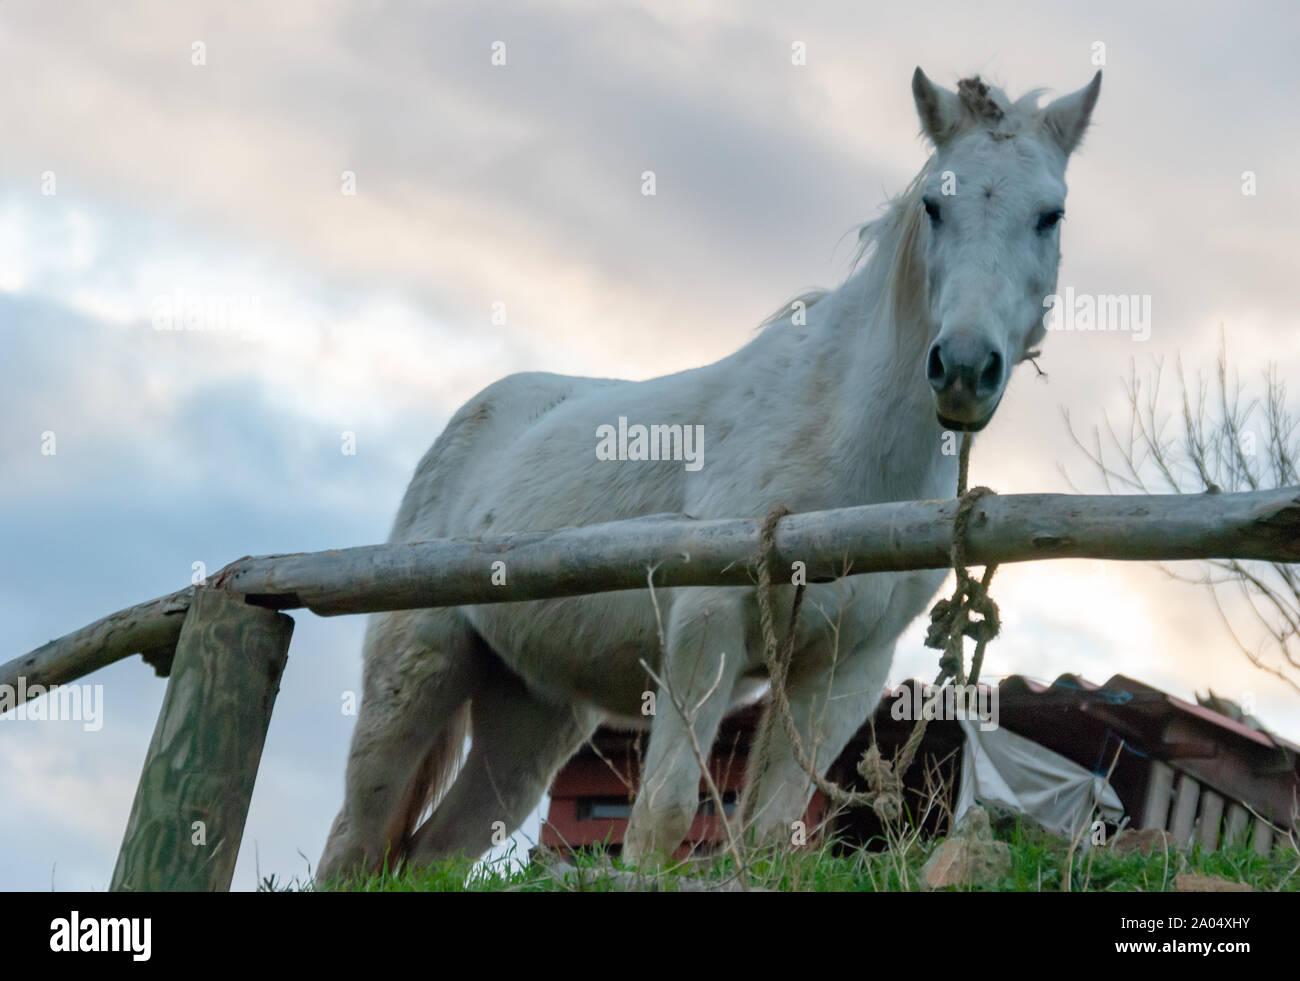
474	439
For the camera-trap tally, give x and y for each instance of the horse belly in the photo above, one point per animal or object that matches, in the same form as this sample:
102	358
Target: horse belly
583	648
869	611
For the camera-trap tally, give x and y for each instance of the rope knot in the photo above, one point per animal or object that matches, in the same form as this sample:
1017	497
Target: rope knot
884	786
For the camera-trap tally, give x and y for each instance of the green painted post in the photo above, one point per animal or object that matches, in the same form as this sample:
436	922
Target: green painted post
188	817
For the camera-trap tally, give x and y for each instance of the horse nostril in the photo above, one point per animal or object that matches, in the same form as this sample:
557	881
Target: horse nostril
934	369
991	377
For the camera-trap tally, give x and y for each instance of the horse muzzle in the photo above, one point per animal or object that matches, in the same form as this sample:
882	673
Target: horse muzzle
968	375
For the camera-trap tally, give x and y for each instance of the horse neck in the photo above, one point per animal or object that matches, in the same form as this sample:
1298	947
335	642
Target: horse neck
871	391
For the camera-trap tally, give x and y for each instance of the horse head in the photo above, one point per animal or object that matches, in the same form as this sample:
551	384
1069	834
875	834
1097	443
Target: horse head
993	200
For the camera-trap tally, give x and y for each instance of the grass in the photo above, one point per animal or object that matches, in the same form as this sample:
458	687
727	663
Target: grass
1039	864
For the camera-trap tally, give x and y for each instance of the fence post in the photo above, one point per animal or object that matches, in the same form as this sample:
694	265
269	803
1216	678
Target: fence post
1184	819
187	820
1160	782
1262	839
1211	820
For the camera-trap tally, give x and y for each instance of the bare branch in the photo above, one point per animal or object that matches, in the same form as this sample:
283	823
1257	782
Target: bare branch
1218	448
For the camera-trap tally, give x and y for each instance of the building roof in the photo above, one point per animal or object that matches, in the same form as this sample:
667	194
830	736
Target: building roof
1093	723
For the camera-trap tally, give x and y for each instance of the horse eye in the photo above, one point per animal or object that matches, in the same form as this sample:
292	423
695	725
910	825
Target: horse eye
931	209
1049	220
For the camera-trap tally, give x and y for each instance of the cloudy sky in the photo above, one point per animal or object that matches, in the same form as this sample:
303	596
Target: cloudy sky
158	153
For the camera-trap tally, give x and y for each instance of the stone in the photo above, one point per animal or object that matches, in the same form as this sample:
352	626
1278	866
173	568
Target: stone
1208	883
1144	840
969	856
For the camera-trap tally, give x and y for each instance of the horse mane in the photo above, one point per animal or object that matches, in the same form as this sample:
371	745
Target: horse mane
896	233
892	237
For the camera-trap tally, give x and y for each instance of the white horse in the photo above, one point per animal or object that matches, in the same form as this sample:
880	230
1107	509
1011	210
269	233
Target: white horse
841	400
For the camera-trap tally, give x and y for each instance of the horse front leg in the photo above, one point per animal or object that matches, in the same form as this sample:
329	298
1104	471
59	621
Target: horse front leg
827	708
704	656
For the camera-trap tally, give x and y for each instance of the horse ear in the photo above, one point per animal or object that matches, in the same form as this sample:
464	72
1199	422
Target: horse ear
1066	118
939	109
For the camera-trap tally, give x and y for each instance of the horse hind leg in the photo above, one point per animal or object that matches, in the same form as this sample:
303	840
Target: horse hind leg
421	668
519	741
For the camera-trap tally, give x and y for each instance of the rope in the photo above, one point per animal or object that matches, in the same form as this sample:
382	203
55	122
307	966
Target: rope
950	622
885	793
950	619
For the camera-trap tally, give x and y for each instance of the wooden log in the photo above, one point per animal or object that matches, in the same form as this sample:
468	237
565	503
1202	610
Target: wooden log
1160	782
1184	819
1211	820
685	551
144	628
187	820
1234	832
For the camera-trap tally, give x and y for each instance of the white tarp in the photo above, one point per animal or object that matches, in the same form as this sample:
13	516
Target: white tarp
999	767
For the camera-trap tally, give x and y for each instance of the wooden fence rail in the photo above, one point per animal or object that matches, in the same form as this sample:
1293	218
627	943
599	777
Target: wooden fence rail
685	551
681	551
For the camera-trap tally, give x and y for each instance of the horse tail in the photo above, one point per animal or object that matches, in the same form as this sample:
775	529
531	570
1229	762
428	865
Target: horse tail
432	778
